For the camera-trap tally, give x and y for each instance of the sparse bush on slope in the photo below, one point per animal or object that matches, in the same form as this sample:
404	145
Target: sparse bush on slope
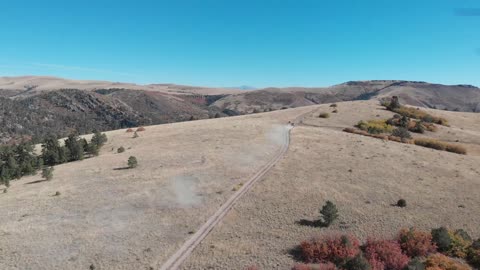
329	213
132	162
47	173
402	133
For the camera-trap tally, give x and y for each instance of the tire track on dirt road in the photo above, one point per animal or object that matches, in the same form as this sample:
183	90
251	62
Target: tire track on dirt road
175	261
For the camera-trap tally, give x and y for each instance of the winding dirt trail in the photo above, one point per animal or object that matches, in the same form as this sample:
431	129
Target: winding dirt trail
186	249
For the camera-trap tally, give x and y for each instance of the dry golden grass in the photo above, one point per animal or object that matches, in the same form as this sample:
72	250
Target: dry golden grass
440	145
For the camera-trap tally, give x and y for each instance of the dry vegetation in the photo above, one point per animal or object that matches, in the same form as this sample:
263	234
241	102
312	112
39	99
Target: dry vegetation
112	218
365	178
439	145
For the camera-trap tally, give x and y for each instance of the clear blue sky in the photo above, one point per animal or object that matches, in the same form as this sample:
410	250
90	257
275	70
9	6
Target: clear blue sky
243	42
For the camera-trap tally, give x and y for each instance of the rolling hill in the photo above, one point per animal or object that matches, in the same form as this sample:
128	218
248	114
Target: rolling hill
32	107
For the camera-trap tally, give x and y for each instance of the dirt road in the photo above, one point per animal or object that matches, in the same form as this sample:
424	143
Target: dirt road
182	254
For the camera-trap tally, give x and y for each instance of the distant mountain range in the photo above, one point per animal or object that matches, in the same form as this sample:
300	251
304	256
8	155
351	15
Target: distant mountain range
32	107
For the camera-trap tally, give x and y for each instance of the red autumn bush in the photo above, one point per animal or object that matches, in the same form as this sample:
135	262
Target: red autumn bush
129	130
416	243
385	254
322	266
140	129
441	262
335	248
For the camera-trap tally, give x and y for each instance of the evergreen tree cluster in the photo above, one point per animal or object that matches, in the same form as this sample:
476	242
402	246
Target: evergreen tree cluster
20	160
17	161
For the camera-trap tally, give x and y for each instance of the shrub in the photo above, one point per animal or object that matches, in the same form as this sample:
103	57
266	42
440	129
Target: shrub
57	193
415	264
47	173
135	135
335	248
358	263
140	129
335	111
394	103
461	241
324	115
473	255
417	127
416	243
441	262
132	162
402	203
322	266
121	149
440	145
420	115
441	238
402	133
375	126
385	254
334	105
455	149
129	130
329	213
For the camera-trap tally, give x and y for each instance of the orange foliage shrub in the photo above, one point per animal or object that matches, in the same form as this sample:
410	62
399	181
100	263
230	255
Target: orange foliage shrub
441	262
416	243
334	248
129	130
140	129
385	254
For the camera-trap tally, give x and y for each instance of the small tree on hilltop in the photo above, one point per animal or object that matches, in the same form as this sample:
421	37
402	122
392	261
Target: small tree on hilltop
394	103
329	213
47	173
132	162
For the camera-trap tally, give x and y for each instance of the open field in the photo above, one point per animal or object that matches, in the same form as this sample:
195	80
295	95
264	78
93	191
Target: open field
364	176
114	218
126	219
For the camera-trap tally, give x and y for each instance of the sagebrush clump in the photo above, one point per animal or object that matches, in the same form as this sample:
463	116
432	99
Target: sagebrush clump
132	162
47	173
329	213
402	203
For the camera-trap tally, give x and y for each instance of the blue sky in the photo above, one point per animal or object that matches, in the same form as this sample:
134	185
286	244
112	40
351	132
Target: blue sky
243	42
